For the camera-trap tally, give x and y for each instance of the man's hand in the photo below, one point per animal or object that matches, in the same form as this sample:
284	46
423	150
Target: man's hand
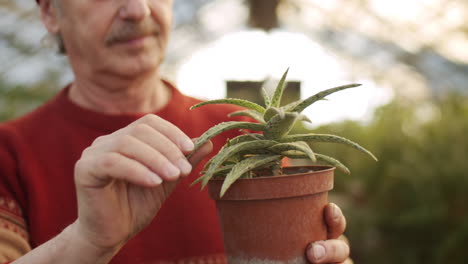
123	178
335	249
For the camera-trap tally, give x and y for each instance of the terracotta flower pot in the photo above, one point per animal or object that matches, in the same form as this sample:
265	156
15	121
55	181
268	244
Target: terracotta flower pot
273	219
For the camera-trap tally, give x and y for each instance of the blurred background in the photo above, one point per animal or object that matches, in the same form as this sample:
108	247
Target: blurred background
412	111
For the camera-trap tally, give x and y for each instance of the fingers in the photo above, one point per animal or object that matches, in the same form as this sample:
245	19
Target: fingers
154	150
329	251
335	221
114	166
166	139
173	133
336	249
146	152
163	145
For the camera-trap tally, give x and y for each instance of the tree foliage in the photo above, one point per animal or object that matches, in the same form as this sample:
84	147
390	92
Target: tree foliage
412	206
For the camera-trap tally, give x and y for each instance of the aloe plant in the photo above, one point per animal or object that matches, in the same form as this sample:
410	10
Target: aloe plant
243	155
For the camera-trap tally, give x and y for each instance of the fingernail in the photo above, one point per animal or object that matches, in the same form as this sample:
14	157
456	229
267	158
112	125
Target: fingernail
154	178
184	166
187	145
336	212
172	171
319	251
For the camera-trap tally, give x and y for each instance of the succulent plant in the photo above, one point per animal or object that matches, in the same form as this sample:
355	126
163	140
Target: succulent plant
244	155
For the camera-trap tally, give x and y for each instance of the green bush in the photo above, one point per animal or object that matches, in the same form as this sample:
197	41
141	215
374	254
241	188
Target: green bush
16	100
412	205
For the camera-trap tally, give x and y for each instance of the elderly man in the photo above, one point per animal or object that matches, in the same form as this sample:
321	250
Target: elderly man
84	176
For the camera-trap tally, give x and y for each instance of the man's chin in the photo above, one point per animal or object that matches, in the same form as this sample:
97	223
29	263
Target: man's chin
136	63
134	70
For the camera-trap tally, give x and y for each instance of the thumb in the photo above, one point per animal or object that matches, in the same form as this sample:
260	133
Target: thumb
200	153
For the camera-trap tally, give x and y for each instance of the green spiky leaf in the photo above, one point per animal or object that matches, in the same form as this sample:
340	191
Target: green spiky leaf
229	161
234	101
311	138
266	98
218	172
289	107
298	146
319	96
301	127
279	127
247	152
304	118
221	127
249	113
226	152
293	154
270	112
246	166
276	99
245	138
333	162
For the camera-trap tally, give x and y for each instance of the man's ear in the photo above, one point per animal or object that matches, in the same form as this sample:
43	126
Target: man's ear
50	16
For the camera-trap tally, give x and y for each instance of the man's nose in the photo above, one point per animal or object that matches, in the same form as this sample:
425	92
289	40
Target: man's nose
134	9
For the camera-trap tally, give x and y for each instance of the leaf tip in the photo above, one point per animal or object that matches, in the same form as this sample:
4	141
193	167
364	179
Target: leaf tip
222	192
194	106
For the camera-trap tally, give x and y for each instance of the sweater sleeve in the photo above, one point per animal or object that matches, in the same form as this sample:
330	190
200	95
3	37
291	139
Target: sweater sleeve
12	244
13	232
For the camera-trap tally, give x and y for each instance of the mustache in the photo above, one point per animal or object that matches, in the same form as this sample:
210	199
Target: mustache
128	30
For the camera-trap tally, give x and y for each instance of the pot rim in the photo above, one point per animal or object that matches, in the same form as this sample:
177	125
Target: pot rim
275	187
322	168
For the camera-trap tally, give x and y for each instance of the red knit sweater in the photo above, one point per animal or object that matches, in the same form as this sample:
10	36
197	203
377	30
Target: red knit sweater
37	157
